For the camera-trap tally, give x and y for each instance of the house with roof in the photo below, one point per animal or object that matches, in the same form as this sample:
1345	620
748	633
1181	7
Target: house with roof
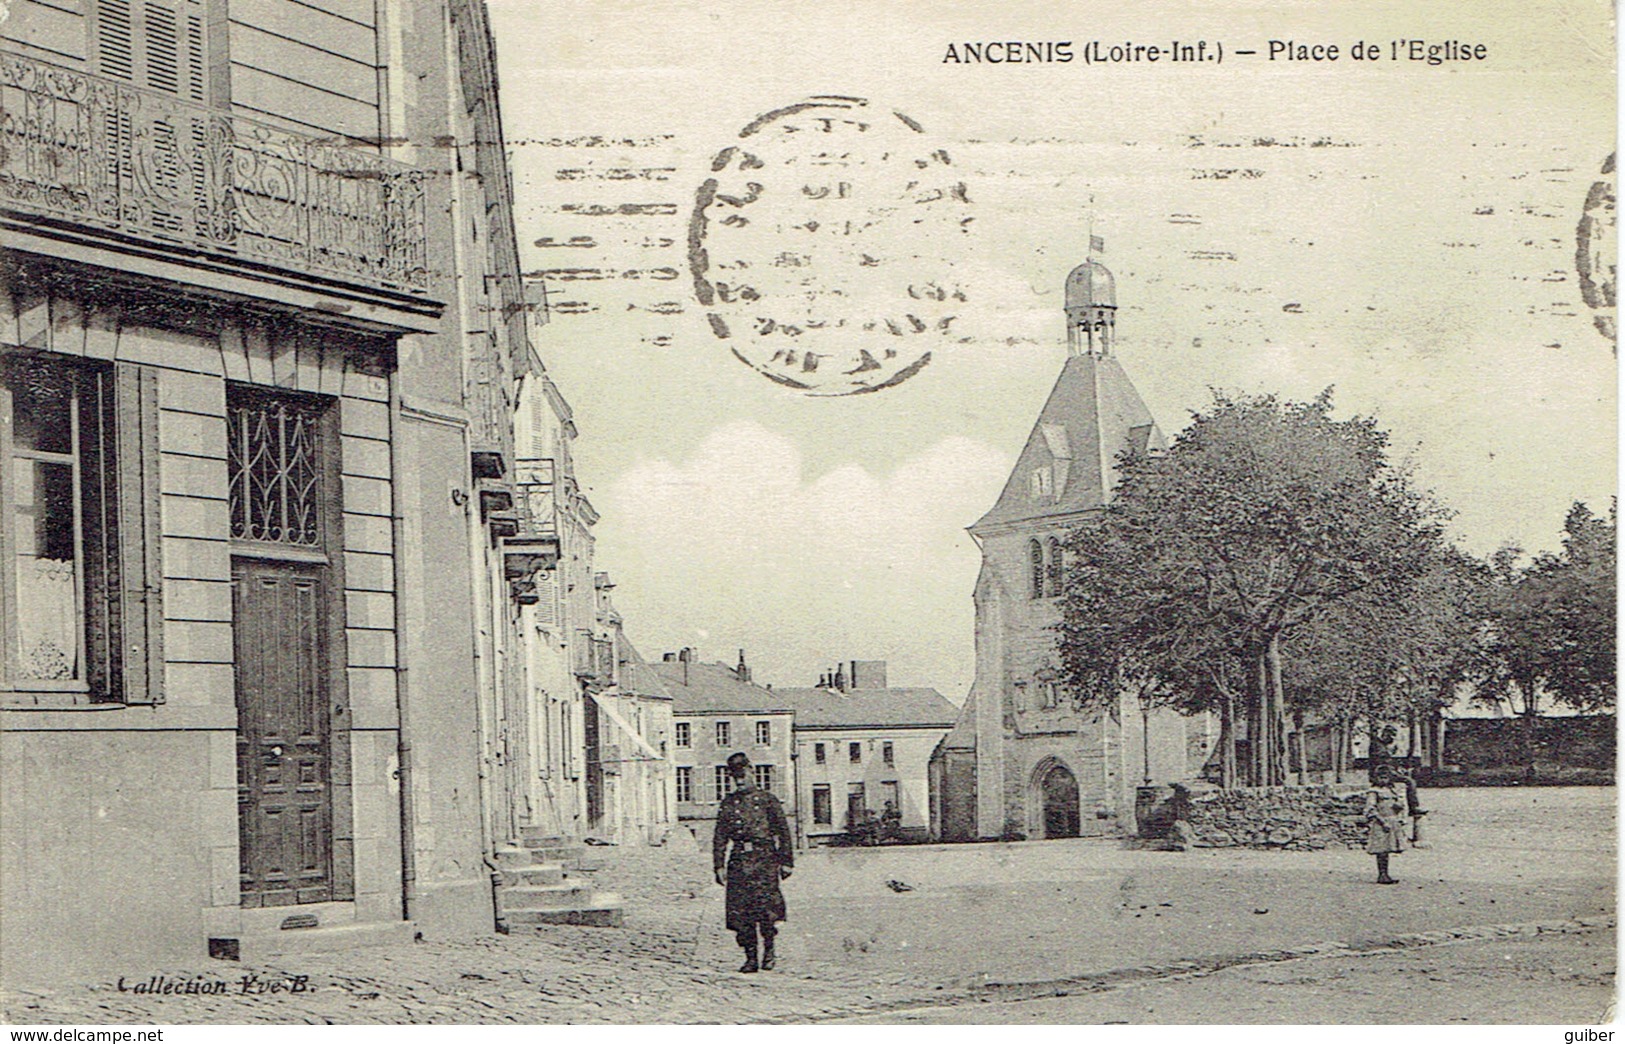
717	711
862	746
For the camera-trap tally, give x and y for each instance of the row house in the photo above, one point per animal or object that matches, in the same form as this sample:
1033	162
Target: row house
589	728
261	334
718	711
863	749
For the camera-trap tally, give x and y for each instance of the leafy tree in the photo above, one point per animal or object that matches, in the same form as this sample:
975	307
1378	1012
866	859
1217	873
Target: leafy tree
1550	625
1261	518
1374	660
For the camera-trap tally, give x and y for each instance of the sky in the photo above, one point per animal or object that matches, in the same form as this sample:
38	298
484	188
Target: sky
1402	231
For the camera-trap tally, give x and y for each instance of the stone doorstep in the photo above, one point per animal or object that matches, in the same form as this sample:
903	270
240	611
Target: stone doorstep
513	856
568	895
257	945
604	910
535	833
532	874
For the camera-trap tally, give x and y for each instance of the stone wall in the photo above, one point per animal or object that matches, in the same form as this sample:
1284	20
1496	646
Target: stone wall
1577	749
1295	818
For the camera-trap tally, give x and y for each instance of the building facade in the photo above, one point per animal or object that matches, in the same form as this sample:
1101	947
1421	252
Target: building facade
262	322
861	747
1022	761
718	711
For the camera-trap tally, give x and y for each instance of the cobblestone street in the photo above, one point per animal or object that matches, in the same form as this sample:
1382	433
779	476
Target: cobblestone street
973	924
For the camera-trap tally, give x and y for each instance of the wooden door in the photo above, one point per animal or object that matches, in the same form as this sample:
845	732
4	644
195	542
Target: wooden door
1060	790
284	769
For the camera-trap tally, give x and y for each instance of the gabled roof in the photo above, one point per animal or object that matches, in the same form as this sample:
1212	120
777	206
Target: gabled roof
963	735
1093	414
714	688
637	677
872	708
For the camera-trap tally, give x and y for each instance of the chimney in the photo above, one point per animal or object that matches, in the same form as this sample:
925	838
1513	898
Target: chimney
742	672
868	674
685	656
669	658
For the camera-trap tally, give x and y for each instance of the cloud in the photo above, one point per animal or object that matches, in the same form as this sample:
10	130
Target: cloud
738	542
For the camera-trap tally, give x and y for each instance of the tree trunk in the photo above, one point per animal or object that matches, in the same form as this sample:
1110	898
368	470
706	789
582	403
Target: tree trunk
1257	722
1276	764
1145	739
1438	739
1303	750
1531	713
1227	742
1338	728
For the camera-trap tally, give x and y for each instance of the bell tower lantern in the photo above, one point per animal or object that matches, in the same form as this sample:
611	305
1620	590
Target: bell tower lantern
1091	310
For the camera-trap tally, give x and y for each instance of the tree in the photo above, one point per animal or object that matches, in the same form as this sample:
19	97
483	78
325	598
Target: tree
1373	660
1550	625
1260	519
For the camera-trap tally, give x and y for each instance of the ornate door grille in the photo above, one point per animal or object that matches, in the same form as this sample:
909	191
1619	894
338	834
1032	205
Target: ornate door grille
274	467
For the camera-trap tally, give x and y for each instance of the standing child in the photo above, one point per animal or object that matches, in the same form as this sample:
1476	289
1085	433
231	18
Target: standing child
1385	816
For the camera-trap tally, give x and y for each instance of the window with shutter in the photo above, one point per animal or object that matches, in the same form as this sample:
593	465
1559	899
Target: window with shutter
160	45
79	530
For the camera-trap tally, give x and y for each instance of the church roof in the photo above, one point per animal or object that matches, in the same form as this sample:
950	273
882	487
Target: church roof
1093	414
963	735
1090	284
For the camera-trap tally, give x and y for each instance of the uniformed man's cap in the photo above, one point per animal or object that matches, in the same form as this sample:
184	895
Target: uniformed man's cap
738	759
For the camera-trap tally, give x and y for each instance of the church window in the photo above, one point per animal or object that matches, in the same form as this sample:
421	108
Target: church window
1042	483
1053	575
1035	552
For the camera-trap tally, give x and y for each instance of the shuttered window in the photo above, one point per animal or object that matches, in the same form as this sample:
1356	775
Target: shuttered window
79	495
157	44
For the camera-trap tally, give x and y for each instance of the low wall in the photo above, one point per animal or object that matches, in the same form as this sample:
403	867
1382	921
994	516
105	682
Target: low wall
1295	818
1578	749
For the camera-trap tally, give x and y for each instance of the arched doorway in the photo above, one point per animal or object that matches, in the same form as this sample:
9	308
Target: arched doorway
1060	794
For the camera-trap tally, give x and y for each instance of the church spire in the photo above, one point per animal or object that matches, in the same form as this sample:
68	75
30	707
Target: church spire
1093	414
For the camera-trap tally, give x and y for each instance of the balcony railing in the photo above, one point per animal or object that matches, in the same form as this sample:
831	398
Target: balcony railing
130	163
534	492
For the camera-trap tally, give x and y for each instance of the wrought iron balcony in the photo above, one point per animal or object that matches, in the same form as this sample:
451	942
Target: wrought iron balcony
534	497
122	163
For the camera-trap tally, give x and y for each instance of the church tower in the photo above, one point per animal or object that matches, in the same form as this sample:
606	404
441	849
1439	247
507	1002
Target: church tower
1022	762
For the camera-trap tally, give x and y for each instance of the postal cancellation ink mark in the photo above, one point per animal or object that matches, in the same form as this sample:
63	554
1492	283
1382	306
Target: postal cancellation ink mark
822	246
1596	244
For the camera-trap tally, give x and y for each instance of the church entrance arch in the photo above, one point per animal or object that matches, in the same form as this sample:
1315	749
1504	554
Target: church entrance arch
1057	793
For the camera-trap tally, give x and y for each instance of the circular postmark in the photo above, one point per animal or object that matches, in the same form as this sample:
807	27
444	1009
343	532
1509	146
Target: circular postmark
1595	258
822	246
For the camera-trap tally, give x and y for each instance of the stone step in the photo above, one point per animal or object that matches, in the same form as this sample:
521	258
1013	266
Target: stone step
532	874
253	946
513	855
537	833
566	896
605	910
563	851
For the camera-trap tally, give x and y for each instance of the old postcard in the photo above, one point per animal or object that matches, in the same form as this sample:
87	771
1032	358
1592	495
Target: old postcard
939	513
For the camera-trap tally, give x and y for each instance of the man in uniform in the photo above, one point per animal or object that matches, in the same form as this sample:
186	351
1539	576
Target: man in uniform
752	821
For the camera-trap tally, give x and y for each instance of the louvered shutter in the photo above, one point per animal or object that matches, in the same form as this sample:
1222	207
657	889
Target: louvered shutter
156	44
547	605
139	525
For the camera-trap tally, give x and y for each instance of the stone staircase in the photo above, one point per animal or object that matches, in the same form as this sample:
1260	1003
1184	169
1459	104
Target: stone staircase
537	889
